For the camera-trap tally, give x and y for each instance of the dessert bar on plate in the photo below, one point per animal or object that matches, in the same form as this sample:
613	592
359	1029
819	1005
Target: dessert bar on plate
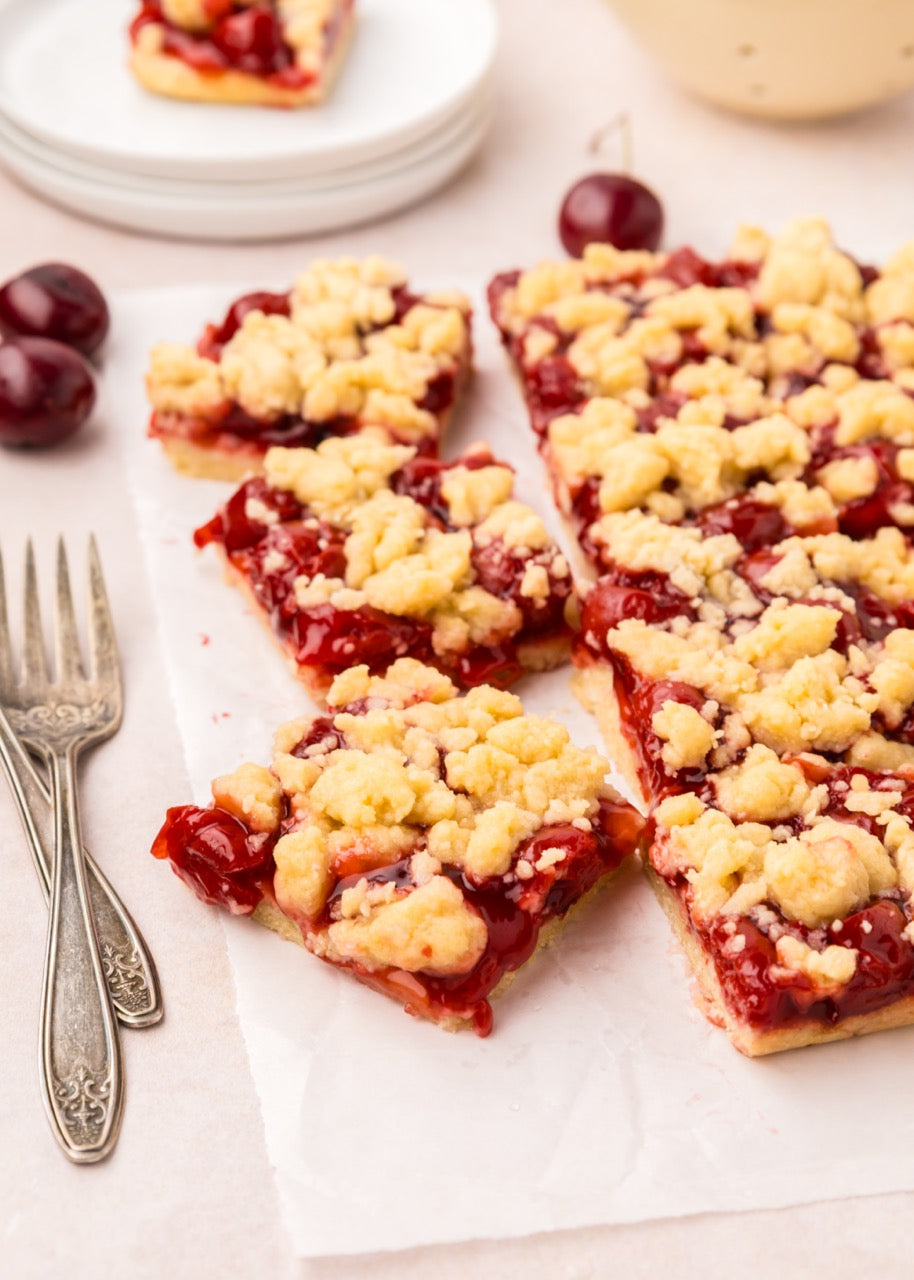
360	551
349	345
275	53
733	446
426	842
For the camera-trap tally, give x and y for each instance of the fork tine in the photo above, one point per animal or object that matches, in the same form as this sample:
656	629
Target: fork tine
6	652
102	640
66	637
34	657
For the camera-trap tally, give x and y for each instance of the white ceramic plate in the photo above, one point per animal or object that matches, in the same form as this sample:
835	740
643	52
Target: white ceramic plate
426	148
413	66
247	216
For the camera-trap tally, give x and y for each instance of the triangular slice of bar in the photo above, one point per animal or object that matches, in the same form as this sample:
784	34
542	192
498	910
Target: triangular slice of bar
424	841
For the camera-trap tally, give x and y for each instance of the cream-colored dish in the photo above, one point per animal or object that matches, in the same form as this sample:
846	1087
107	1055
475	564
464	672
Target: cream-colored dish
786	59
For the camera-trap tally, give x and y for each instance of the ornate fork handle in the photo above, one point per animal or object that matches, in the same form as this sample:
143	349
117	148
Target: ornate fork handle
129	969
81	1070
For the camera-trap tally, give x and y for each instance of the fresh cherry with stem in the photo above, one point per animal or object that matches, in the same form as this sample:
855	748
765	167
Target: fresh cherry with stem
610	208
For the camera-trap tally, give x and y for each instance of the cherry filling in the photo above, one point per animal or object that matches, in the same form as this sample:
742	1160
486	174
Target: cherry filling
765	994
237	526
762	993
753	523
246	38
332	639
422	477
215	336
513	915
651	598
228	427
620	593
217	856
503	571
552	387
871	618
862	517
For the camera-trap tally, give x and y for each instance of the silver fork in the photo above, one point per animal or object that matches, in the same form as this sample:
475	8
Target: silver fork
80	1057
130	971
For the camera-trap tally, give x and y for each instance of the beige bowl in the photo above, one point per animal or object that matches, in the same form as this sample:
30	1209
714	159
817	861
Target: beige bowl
791	59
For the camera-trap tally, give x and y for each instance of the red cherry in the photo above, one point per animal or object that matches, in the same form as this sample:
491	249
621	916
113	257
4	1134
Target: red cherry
46	392
252	40
55	301
610	208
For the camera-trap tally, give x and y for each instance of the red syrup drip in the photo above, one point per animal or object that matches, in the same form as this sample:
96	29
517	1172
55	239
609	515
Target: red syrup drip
217	856
247	39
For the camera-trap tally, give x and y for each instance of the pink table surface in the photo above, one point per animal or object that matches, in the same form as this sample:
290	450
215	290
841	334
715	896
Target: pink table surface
564	71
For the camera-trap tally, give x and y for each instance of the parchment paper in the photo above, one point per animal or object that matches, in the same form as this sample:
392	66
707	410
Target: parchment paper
602	1095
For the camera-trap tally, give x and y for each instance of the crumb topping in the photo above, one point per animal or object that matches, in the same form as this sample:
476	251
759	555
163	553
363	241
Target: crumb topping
340	353
409	773
398	558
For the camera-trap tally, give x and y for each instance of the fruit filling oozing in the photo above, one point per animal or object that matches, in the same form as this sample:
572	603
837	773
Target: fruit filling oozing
348	346
284	44
417	838
364	552
803	646
796	876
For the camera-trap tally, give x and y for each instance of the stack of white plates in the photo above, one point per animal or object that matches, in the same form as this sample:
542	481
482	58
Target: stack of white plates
411	106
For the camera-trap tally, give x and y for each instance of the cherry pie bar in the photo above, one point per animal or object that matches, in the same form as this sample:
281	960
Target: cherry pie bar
764	396
692	652
789	883
424	841
276	53
362	552
348	346
733	447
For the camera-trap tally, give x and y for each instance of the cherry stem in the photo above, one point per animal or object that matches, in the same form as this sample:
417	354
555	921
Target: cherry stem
618	131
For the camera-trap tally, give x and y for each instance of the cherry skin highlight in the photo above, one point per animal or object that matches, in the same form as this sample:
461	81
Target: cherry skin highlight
610	208
46	392
55	301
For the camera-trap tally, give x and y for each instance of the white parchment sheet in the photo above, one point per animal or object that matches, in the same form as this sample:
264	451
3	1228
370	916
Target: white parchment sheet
602	1095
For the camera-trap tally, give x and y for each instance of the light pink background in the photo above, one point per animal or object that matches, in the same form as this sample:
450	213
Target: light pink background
204	1204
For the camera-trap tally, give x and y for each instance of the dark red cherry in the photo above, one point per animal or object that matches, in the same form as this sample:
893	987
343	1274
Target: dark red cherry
252	40
610	208
55	301
46	392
